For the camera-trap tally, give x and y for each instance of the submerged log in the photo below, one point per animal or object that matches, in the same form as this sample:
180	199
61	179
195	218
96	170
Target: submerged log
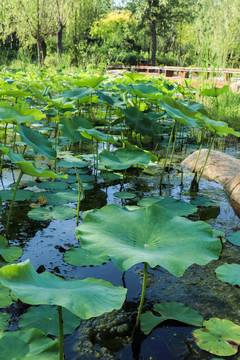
220	167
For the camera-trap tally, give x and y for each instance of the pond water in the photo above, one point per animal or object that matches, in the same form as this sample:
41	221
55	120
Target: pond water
109	336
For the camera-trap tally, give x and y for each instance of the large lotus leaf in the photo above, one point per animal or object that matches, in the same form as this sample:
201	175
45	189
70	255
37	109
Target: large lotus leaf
234	238
52	213
31	345
85	298
25	111
130	146
55	198
4	322
39	143
180	208
5	298
92	81
180	113
96	135
123	158
203	201
69	126
83	257
215	91
219	336
110	99
28	167
78	94
86	186
219	127
143	89
21	195
45	318
170	311
140	122
8	114
70	161
9	253
153	235
229	273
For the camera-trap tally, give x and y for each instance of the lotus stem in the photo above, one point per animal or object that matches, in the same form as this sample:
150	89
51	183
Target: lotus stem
144	285
199	152
5	142
60	327
174	144
166	157
205	162
12	202
80	192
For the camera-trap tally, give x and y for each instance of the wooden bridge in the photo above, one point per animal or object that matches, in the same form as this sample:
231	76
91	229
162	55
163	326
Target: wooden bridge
170	71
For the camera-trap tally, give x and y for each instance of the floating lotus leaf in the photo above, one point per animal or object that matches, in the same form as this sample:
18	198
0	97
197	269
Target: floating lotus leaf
111	176
21	195
86	186
170	311
5	298
69	126
180	208
39	143
9	253
4	322
85	298
153	235
56	198
234	238
83	257
32	345
49	320
70	161
229	273
123	159
52	185
219	337
203	201
124	195
52	213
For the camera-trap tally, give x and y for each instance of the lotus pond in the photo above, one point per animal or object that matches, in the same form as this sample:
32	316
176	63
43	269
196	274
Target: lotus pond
106	251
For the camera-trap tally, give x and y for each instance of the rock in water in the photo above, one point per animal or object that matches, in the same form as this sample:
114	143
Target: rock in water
220	167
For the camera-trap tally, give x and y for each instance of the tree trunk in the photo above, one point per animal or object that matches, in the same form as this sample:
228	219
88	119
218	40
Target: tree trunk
154	41
59	41
44	49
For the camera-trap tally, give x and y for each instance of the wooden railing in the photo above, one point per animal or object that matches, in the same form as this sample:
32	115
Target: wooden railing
184	72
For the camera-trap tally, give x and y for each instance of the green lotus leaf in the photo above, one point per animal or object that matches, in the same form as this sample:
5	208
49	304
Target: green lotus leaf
5	298
58	197
52	213
180	113
69	126
92	81
21	195
15	93
215	91
45	318
134	76
85	298
86	186
229	273
111	176
234	238
153	235
219	127
52	185
70	161
25	111
110	99
39	143
130	146
143	89
9	114
123	159
180	208
9	253
203	201
78	94
140	122
124	195
4	322
170	311
219	337
83	257
96	135
32	345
